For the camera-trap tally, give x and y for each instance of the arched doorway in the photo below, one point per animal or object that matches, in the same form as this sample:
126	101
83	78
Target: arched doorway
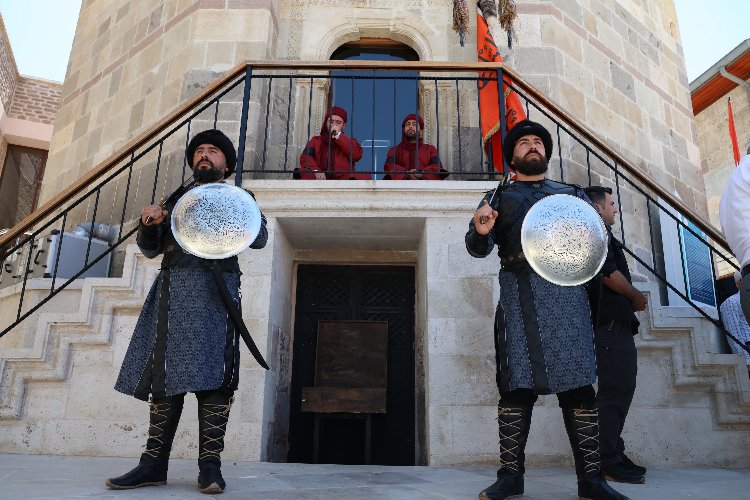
376	106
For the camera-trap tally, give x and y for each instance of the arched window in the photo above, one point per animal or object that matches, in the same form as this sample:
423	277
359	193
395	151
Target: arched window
376	106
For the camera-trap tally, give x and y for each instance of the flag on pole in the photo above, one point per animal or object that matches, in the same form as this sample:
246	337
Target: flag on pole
488	97
733	134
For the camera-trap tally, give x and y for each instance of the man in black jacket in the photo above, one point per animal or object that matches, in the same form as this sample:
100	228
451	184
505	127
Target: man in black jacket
187	338
543	331
614	301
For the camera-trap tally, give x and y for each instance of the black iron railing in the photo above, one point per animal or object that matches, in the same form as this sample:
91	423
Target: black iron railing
272	110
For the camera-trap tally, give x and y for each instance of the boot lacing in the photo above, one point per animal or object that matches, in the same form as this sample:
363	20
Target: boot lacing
587	428
156	439
509	430
221	412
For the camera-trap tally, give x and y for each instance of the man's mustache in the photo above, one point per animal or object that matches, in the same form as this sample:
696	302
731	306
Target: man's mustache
206	160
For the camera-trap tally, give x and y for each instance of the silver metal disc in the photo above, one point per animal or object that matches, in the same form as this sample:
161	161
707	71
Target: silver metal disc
215	221
564	240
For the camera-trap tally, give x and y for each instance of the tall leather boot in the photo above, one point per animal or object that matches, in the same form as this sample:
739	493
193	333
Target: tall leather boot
213	414
582	426
152	467
513	424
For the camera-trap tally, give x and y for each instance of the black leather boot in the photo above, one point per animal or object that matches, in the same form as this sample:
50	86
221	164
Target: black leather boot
582	426
513	423
213	414
152	468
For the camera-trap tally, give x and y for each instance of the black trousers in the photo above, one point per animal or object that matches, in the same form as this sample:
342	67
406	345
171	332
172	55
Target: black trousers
574	398
617	367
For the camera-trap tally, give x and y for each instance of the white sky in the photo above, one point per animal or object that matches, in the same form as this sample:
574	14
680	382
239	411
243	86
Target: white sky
41	33
710	30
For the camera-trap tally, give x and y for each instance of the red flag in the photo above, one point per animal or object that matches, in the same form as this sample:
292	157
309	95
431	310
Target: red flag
733	134
488	97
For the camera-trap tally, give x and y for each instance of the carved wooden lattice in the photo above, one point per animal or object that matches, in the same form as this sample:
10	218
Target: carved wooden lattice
370	293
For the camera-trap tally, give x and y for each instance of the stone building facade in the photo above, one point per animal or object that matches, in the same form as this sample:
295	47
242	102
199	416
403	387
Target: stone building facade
27	114
614	65
710	93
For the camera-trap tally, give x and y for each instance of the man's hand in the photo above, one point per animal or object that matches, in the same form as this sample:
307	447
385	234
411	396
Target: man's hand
484	219
639	301
153	215
414	175
320	176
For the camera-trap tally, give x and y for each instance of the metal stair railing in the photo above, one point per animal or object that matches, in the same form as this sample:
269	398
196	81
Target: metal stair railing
272	109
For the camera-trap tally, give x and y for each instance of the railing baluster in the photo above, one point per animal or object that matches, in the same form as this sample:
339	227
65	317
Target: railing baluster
395	121
332	94
458	116
265	128
185	158
57	250
126	196
372	143
651	233
288	121
683	267
559	154
503	111
25	278
490	166
156	174
588	163
437	120
416	106
309	122
619	204
241	143
351	128
93	223
216	113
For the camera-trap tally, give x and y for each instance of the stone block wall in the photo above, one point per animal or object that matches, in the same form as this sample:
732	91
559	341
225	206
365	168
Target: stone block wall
134	62
8	70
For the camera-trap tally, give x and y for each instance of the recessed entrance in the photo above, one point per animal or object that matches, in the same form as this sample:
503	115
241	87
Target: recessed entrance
355	293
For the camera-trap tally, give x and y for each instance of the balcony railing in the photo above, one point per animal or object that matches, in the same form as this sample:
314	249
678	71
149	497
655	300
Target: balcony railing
272	109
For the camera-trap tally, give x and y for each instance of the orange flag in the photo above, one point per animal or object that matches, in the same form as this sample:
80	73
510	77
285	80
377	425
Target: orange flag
488	97
733	135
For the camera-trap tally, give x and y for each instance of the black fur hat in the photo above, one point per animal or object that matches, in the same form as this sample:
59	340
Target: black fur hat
520	129
218	139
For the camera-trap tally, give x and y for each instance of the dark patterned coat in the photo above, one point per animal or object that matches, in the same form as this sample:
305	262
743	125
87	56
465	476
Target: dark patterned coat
184	340
543	332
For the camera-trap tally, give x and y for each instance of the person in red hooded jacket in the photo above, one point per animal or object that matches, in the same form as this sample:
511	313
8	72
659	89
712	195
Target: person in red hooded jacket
332	154
412	158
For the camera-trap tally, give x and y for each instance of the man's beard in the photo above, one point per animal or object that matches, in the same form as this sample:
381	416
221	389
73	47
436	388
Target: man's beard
207	174
530	165
410	135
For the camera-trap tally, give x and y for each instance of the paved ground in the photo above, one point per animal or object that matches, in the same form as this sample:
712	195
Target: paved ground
34	476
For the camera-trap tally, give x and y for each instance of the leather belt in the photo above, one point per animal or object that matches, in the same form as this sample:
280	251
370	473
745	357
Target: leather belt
512	259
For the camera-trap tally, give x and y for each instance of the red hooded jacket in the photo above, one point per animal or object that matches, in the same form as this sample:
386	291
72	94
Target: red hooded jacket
315	156
413	156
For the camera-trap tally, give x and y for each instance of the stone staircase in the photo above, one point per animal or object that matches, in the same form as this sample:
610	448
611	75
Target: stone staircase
697	360
39	349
